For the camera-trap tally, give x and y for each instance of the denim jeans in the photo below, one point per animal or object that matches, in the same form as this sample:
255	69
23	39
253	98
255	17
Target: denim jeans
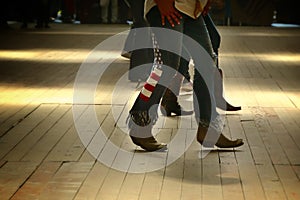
105	10
139	56
213	33
204	102
215	41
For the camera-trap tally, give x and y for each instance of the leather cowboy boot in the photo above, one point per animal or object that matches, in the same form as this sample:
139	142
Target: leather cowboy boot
141	132
220	100
215	138
149	143
169	103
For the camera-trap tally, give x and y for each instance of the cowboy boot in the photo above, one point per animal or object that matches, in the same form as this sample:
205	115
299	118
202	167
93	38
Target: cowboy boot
141	132
169	103
215	138
220	100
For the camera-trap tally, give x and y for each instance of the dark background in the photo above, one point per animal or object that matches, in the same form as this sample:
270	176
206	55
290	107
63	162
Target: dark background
224	12
255	12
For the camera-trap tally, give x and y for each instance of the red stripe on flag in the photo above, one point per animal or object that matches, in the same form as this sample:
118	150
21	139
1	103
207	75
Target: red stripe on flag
143	97
149	87
155	76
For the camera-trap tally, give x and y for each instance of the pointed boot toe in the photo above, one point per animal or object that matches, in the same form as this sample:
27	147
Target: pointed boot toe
149	144
215	138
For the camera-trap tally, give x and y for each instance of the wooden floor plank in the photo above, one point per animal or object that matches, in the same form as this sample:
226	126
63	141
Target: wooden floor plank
93	182
98	142
153	181
152	185
32	138
250	180
133	182
17	116
294	96
229	172
211	177
289	181
111	185
297	171
291	122
270	181
268	94
36	183
48	141
66	181
252	187
257	147
284	138
192	175
13	175
191	186
131	186
14	136
174	172
240	88
106	191
230	178
272	143
114	179
69	148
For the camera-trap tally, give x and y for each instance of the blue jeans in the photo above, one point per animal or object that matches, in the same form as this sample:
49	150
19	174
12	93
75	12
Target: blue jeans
139	56
213	33
204	102
215	41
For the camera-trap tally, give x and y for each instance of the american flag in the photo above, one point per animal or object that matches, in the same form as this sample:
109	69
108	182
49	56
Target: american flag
155	75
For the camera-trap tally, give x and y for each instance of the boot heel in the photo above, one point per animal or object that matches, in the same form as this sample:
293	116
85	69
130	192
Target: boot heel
220	140
149	144
165	111
142	135
177	111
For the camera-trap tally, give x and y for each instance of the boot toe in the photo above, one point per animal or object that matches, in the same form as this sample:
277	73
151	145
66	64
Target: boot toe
230	143
154	146
177	111
233	108
239	142
149	144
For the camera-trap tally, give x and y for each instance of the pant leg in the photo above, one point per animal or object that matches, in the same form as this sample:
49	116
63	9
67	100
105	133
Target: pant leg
214	37
204	101
184	64
213	33
140	56
104	4
169	59
114	11
215	41
137	11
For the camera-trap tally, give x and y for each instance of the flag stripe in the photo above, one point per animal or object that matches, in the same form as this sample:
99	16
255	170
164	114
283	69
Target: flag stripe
155	76
143	97
149	87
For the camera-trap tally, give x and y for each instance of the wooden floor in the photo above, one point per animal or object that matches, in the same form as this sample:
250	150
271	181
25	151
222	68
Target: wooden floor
42	155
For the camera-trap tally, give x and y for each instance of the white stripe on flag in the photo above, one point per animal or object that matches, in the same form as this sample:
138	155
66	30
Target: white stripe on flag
158	72
146	92
152	82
